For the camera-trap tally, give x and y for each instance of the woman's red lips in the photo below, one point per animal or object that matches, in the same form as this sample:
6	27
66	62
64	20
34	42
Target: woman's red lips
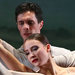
35	60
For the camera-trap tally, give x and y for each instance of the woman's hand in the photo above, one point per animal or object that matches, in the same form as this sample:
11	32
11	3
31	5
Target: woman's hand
1	46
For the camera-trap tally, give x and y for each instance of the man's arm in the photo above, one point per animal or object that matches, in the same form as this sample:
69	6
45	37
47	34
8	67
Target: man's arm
63	57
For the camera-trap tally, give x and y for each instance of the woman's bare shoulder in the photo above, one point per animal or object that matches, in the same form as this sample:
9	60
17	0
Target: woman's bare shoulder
72	69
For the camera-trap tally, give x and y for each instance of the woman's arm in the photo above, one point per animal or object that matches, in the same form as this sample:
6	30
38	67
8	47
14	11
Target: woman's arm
10	60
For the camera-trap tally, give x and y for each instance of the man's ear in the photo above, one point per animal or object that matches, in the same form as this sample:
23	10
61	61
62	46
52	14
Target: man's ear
48	47
41	24
18	27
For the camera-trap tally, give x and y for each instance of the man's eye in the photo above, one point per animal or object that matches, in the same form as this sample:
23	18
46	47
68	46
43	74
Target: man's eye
35	48
21	23
30	23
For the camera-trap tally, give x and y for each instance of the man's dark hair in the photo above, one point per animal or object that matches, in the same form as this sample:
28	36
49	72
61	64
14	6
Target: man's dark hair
29	6
40	37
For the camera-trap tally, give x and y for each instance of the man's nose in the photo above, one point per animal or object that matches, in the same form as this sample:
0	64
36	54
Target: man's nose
25	26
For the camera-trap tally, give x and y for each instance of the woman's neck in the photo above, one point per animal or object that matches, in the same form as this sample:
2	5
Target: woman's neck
51	66
55	68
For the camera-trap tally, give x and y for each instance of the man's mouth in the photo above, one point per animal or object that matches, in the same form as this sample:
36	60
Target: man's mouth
27	34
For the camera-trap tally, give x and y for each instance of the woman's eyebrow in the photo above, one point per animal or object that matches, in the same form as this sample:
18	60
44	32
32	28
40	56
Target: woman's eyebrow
33	46
25	50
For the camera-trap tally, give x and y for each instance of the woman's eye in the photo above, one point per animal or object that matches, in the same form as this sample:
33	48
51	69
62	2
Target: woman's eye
26	53
34	48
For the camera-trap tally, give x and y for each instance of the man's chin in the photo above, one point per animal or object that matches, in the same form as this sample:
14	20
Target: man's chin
24	37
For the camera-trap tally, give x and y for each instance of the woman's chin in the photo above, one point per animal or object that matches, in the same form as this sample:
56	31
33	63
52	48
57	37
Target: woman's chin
36	64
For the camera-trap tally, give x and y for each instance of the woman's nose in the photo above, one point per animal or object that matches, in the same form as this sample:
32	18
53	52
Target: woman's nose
32	55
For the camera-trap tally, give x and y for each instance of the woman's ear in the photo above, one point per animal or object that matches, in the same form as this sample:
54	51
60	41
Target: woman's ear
48	47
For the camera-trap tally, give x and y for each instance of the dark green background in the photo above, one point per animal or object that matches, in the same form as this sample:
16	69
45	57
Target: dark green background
59	22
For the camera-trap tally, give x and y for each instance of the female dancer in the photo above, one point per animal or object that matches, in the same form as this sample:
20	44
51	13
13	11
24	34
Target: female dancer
37	50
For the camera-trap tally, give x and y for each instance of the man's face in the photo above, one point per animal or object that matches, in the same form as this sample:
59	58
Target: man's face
36	52
28	24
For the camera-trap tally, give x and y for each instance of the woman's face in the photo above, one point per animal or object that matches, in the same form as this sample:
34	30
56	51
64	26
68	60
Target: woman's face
36	52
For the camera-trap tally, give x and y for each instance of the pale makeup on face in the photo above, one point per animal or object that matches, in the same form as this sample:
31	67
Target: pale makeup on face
36	52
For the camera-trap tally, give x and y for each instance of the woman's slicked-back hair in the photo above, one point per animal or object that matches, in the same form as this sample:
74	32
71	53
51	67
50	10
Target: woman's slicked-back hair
40	37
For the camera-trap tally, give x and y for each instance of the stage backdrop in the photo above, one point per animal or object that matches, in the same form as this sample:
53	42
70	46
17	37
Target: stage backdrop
59	22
